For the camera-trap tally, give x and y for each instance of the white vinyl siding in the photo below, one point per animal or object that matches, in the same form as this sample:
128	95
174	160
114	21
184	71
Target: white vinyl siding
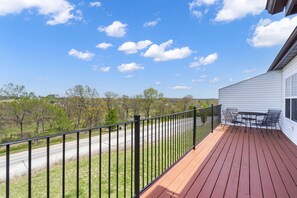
256	94
289	127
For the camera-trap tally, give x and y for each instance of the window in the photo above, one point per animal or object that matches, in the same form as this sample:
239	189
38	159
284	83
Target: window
294	109
291	97
288	106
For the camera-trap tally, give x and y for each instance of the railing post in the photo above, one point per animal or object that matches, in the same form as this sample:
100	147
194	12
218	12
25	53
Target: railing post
194	127
137	156
220	114
211	117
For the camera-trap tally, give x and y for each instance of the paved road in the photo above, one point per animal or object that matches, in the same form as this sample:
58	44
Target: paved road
19	161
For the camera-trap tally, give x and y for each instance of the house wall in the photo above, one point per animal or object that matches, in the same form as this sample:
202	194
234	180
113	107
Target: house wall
289	127
255	94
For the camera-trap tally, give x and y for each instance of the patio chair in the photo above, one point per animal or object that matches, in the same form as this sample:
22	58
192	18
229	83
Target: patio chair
270	120
230	115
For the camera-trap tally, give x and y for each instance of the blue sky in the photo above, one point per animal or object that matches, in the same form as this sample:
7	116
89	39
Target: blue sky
177	47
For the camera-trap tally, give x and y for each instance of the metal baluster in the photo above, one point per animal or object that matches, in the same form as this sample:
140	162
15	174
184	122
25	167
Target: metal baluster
77	164
48	167
90	163
7	170
29	168
63	166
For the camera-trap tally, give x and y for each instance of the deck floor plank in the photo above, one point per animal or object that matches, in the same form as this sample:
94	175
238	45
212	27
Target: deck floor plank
190	169
220	185
244	178
202	177
283	172
222	160
291	161
255	180
266	181
236	164
235	170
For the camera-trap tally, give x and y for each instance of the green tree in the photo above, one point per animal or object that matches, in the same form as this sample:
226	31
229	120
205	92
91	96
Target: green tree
136	104
125	102
149	97
76	102
95	109
111	117
2	115
185	102
109	99
204	104
58	121
12	91
19	109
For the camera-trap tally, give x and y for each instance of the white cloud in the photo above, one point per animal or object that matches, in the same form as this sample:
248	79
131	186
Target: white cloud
129	76
248	71
129	67
95	4
270	33
230	79
151	23
214	80
201	79
81	55
132	48
157	83
57	11
237	9
196	13
197	4
181	87
116	29
211	58
105	69
158	53
103	45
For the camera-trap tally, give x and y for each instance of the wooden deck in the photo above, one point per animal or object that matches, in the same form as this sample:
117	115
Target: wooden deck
236	164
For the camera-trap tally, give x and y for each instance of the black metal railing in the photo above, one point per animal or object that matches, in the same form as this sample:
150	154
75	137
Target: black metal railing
118	160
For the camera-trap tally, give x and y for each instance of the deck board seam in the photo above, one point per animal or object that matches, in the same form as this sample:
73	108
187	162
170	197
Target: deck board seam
228	149
208	161
205	147
271	155
241	137
274	143
266	163
237	136
257	157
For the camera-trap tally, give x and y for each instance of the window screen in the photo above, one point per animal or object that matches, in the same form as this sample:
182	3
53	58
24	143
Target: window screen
288	105
294	109
294	85
288	87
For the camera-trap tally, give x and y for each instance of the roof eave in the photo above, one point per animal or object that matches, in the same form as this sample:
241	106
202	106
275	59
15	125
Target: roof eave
275	6
285	52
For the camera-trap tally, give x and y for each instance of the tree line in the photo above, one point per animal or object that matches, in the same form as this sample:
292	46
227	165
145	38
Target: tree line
23	114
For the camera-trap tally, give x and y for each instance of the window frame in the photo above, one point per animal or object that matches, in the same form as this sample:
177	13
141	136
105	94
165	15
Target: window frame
290	84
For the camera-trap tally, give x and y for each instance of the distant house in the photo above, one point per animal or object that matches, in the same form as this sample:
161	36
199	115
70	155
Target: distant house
277	88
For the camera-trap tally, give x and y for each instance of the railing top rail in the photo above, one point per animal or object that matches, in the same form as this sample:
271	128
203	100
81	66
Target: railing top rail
63	133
